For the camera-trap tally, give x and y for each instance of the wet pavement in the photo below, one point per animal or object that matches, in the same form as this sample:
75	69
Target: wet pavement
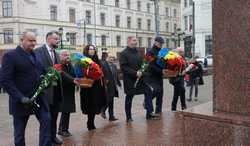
167	131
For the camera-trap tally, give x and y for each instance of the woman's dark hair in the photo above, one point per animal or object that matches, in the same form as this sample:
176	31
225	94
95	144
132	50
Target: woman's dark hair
86	53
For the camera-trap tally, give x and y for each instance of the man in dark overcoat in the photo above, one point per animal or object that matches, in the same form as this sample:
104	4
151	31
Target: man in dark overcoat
130	64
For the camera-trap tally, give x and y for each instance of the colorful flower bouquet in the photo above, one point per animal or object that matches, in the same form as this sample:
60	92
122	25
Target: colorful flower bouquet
86	69
173	62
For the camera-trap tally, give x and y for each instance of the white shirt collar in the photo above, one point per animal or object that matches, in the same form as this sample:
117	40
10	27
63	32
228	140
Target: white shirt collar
48	47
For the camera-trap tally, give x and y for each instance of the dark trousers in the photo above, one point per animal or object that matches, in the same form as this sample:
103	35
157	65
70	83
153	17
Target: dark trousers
110	107
64	122
54	115
91	120
150	94
159	96
128	106
179	91
20	123
194	82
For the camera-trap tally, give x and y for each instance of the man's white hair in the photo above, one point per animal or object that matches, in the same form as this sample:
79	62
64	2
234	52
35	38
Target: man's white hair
64	51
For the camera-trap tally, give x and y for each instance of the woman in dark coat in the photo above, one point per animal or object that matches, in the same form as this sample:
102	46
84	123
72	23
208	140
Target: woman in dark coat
195	76
92	99
68	85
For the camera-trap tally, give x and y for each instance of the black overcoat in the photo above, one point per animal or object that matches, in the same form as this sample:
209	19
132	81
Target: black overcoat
130	62
68	104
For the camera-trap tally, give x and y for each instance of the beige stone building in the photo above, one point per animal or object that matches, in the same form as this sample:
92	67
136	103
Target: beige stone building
106	23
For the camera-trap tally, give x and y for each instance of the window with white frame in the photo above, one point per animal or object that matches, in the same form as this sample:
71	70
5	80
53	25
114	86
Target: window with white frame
102	19
139	5
103	40
185	3
190	2
149	24
149	42
139	24
71	38
186	23
148	7
190	22
128	22
102	2
167	12
72	15
7	8
89	38
167	26
175	27
53	13
208	44
8	36
117	3
118	41
129	4
175	13
167	42
117	20
88	17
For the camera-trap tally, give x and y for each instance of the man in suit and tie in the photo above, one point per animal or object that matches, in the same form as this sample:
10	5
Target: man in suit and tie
20	76
49	57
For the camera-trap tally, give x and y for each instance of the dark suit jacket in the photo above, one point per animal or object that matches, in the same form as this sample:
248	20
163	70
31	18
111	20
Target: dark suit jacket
20	75
55	94
111	75
153	74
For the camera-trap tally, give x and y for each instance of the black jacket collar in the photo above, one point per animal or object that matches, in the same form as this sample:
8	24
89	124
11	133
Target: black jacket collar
132	49
20	50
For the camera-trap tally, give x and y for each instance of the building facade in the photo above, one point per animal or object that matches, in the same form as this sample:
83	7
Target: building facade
201	44
203	27
105	23
187	26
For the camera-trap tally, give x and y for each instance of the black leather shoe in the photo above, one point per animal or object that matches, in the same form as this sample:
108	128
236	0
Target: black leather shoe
90	128
64	133
152	117
158	114
183	108
57	141
113	119
130	120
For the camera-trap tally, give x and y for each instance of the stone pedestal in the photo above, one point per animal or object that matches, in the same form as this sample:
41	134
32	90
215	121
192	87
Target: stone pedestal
231	50
202	126
226	120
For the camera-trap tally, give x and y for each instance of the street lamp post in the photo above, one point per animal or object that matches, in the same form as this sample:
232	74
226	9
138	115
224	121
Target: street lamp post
84	29
193	30
60	31
179	34
157	21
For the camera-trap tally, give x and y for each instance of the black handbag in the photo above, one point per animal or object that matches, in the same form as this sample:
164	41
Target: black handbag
201	81
173	80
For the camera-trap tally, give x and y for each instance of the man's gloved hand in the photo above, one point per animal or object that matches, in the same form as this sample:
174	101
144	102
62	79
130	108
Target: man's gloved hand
26	101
